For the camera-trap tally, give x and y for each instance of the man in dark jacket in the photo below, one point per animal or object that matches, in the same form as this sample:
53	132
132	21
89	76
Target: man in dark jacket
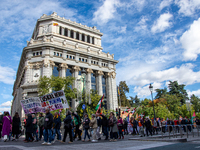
99	124
148	126
29	128
48	124
104	122
56	127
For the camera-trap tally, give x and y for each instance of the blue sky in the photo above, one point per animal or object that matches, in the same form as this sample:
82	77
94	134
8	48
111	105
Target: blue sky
154	40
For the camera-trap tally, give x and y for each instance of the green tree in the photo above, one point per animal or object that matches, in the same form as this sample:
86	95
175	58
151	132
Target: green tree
176	89
135	100
160	93
123	88
195	102
145	102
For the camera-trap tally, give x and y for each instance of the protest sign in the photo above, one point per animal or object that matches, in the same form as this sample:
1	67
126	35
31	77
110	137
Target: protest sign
31	105
53	101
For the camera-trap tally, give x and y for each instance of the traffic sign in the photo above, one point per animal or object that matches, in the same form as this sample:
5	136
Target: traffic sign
83	106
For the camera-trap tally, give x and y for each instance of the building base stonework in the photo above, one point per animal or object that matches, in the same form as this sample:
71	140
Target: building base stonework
62	48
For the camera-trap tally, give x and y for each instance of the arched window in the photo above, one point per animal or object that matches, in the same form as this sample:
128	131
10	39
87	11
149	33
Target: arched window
93	81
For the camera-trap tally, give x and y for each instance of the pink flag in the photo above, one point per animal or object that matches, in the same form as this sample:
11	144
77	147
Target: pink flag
194	115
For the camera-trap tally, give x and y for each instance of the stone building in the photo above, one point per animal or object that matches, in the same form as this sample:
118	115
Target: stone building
62	47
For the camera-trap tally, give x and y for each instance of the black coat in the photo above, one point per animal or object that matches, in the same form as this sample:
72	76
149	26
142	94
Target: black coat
29	125
48	121
68	121
148	124
57	123
99	122
104	121
87	122
16	125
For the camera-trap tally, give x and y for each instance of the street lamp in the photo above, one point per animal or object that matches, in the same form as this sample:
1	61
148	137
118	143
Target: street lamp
188	106
151	89
83	74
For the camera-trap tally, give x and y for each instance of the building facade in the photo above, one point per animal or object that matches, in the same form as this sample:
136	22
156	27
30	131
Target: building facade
61	47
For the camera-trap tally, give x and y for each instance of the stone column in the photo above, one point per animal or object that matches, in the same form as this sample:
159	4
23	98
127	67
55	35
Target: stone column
85	38
63	31
90	39
99	82
76	69
114	90
95	41
74	34
80	36
48	66
69	33
63	68
109	91
88	82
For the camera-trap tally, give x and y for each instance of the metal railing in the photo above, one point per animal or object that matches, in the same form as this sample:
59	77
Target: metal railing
172	130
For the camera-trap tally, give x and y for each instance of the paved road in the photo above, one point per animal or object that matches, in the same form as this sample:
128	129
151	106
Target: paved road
101	145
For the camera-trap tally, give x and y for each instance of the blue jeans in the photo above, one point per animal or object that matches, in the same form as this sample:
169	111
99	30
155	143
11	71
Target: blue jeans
86	134
73	132
35	133
47	135
56	131
113	135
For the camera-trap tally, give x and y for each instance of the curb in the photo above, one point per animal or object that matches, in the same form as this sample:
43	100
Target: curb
162	140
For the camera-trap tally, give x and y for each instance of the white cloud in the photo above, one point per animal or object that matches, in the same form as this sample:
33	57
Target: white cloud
164	4
106	11
141	25
7	75
144	91
188	7
2	109
191	41
196	93
162	23
6	104
122	29
19	17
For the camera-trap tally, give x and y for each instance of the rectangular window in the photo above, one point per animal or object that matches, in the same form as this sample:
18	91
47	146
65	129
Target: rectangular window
83	60
60	30
83	37
92	40
97	63
54	53
94	62
37	53
67	56
70	57
77	35
57	54
88	39
66	32
33	54
72	34
40	53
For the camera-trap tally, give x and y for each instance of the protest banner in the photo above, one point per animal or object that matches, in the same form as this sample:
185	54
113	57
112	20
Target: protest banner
53	101
31	105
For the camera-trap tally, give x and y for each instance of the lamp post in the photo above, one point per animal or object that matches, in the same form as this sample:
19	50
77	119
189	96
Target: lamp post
151	90
188	106
83	74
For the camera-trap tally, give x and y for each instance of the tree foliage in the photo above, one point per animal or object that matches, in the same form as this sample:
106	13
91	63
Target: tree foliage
123	88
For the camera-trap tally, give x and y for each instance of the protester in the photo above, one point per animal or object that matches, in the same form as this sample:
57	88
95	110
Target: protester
29	128
148	126
120	127
56	127
7	121
113	127
48	123
125	126
163	124
170	123
105	126
68	127
99	124
34	120
93	125
1	124
86	122
141	127
77	124
176	123
16	126
41	125
134	125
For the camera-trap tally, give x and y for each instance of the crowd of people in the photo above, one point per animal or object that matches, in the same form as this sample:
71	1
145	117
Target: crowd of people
48	127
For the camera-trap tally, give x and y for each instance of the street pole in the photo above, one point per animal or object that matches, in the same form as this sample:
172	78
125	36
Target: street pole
151	89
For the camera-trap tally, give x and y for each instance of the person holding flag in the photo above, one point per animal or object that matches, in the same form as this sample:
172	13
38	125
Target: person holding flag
99	105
